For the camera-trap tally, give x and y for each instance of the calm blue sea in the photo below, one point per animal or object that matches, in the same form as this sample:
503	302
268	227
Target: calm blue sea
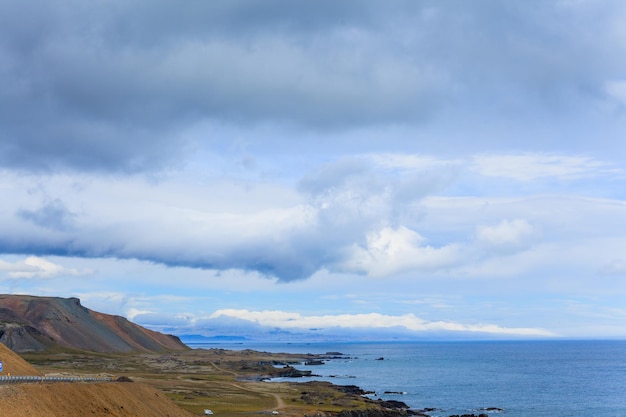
524	378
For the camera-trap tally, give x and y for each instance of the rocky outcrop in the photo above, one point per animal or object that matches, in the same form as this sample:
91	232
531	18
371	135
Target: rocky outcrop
24	338
389	408
352	389
469	415
375	412
29	323
399	405
290	372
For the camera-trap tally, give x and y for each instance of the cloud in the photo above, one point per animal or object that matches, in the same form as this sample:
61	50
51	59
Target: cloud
533	166
114	94
34	267
116	86
393	251
52	215
506	235
435	144
616	267
409	162
192	324
373	214
336	175
371	321
617	90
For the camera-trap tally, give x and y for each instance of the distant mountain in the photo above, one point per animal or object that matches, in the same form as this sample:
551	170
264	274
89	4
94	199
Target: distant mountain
29	323
196	338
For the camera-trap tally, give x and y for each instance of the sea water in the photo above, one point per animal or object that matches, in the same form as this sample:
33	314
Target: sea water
523	378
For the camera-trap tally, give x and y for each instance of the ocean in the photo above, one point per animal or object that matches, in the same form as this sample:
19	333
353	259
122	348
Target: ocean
523	378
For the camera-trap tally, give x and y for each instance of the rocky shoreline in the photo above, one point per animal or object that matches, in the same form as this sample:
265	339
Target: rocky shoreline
384	408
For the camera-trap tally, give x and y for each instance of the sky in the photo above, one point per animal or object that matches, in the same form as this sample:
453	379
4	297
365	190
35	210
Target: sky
322	169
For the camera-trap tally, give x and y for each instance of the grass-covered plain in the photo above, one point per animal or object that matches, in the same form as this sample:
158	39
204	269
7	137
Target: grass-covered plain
226	382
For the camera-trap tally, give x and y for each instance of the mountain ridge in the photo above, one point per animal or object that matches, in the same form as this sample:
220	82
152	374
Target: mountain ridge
31	323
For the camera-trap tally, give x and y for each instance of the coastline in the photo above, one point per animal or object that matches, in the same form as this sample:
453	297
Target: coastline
543	378
227	382
384	407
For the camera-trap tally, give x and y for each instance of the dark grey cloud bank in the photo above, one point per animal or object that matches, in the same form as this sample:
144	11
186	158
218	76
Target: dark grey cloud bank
113	85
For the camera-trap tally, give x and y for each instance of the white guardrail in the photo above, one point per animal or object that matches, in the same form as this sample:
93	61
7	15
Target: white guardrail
5	379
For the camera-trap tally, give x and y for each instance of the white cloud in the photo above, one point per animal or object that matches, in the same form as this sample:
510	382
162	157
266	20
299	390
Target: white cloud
34	267
532	166
616	89
391	251
410	162
290	320
132	313
508	234
356	215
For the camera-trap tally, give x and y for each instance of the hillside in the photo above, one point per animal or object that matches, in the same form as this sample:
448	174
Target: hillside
228	382
168	383
29	323
78	399
13	364
86	399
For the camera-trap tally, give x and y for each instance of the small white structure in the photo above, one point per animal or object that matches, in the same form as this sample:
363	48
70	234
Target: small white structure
208	412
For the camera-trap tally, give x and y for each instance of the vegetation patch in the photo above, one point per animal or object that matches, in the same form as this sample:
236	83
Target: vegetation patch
229	383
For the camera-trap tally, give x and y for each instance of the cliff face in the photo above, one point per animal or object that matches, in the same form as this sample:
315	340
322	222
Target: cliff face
29	323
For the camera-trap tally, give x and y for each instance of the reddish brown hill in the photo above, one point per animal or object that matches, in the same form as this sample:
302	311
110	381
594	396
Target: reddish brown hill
86	399
13	364
29	323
